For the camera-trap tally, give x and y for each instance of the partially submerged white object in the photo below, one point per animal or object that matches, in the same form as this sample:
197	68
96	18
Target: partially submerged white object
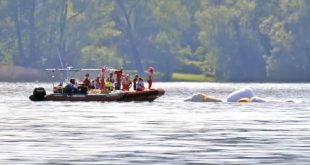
203	98
257	100
239	94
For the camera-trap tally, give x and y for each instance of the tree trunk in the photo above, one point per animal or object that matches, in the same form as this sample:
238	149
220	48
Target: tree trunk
135	54
238	73
20	58
62	28
33	55
134	50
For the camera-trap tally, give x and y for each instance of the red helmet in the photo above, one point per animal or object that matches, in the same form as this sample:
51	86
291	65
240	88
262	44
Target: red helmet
151	69
104	69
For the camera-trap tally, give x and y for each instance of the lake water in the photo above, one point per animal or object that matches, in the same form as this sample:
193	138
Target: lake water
166	131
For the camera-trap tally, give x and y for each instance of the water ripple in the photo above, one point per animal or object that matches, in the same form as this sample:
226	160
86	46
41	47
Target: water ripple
167	131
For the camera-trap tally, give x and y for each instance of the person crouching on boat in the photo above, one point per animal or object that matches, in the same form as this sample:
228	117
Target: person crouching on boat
86	81
140	85
108	87
135	81
71	87
109	83
151	77
126	83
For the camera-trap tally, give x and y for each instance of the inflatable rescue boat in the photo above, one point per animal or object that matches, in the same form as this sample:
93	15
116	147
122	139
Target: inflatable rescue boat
71	91
39	94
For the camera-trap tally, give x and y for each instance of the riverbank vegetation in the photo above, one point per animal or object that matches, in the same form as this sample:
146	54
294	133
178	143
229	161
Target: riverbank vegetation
234	40
191	77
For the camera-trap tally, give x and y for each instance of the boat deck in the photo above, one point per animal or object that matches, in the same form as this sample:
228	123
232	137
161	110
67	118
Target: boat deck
147	95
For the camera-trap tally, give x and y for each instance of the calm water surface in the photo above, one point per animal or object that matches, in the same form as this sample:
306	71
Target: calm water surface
166	131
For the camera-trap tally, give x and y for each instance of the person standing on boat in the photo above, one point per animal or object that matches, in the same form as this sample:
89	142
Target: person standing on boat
102	79
119	74
140	85
102	84
151	77
135	81
126	83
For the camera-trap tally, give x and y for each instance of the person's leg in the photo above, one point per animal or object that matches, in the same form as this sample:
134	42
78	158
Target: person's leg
150	84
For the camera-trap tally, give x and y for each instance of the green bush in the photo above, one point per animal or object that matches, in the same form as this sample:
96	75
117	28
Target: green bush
191	77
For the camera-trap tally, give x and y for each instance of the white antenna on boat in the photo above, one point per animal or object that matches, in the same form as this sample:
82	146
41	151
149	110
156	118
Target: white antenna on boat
60	59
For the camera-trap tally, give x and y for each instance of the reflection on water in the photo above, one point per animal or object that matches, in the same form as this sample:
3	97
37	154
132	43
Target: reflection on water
167	131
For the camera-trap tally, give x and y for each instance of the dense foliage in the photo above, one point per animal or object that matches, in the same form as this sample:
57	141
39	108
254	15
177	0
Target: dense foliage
236	40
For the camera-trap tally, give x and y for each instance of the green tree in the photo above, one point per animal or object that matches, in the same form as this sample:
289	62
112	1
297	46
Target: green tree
286	61
228	39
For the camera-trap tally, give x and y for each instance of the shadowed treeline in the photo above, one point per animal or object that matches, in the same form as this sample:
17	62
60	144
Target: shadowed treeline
228	40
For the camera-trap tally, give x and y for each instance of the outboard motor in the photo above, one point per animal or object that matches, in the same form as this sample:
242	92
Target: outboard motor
38	94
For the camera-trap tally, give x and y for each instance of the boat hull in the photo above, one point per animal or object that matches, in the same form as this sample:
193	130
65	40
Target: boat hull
147	95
